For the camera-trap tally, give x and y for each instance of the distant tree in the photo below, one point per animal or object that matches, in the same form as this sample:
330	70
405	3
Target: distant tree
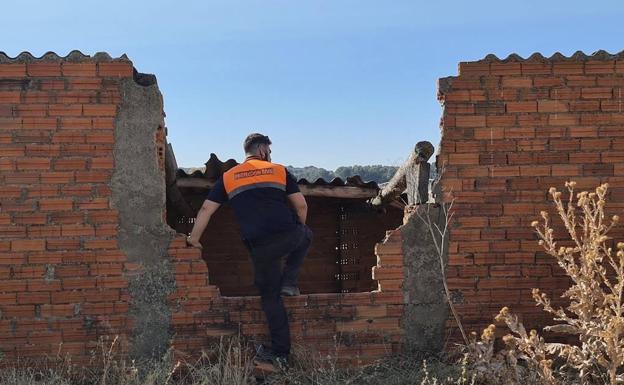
311	173
376	173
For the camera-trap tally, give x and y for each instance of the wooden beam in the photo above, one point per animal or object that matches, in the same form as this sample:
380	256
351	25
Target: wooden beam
350	192
398	183
328	191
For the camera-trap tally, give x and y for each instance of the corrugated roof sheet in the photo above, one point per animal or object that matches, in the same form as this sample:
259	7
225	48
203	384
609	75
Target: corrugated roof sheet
73	56
215	168
557	56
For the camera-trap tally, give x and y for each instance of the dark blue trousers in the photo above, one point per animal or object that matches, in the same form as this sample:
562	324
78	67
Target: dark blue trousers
269	277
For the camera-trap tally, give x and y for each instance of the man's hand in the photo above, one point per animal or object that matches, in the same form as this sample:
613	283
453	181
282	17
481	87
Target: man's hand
193	242
203	217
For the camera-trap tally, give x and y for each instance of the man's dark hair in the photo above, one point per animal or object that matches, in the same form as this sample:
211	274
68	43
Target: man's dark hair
253	140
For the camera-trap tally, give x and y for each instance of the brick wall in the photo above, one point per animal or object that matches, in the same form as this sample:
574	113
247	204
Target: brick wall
72	269
511	129
357	328
61	275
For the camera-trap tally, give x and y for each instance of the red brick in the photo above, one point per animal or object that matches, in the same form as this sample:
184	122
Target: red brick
92	176
99	110
580	81
474	69
28	245
610	105
54	177
44	231
563	119
75	271
31	110
569	170
583	132
9	97
10	123
568	68
565	93
600	67
42	150
22	177
33	298
84	84
65	109
467	158
509	68
7	164
68	136
488	133
565	144
586	105
77	190
76	123
100	244
115	69
12	70
58	204
25	164
519	133
62	244
43	69
70	164
536	68
468	271
94	204
76	230
113	282
597	169
100	137
517	82
19	311
102	163
597	93
548	82
79	69
39	123
529	106
103	216
504	171
470	121
78	283
595	144
104	123
13	151
551	106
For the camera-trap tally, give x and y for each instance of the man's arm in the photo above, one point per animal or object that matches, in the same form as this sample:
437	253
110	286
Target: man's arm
201	221
298	202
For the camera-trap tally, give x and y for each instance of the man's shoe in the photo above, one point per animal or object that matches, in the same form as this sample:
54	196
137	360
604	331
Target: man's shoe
266	355
290	291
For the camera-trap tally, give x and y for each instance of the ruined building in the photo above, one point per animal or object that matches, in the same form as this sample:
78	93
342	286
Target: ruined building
92	204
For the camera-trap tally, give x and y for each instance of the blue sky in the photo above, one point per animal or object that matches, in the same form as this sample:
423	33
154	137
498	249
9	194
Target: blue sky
332	82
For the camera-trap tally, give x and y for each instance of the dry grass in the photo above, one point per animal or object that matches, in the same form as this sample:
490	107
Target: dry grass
230	362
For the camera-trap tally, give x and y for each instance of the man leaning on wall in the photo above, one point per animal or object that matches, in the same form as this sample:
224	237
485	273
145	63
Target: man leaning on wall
272	214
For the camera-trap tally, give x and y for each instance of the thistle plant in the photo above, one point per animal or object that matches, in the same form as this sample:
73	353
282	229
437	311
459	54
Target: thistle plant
594	314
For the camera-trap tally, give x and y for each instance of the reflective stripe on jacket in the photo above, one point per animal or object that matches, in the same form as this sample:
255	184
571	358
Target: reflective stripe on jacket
252	174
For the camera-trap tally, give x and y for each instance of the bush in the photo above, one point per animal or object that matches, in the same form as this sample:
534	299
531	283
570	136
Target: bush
593	316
